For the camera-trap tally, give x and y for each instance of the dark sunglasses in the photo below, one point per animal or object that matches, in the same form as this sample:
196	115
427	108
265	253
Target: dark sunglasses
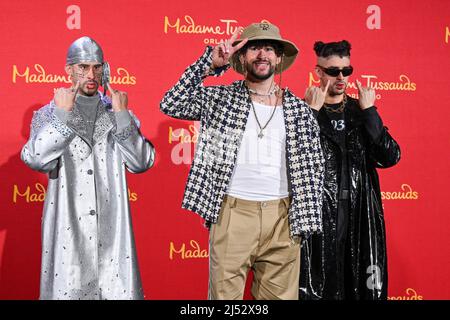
334	71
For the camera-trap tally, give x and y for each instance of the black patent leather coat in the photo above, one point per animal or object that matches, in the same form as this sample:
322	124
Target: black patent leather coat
365	252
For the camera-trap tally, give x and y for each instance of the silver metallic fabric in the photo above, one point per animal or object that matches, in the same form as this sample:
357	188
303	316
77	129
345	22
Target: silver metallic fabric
84	49
106	76
88	248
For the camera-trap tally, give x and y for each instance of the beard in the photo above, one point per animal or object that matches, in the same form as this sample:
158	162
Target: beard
83	90
251	71
91	91
337	92
334	93
83	84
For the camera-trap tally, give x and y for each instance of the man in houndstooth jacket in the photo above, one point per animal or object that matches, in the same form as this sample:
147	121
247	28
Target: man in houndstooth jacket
257	174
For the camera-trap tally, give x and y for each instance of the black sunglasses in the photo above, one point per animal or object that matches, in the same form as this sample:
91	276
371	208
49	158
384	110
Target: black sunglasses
334	71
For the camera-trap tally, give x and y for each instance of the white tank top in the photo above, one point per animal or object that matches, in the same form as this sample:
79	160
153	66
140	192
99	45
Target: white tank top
260	172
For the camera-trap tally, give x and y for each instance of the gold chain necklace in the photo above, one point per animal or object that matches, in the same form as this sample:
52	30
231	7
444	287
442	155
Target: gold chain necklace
261	129
261	96
271	92
261	100
340	109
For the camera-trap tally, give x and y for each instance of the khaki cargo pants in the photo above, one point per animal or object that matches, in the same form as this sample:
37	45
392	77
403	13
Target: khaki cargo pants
253	235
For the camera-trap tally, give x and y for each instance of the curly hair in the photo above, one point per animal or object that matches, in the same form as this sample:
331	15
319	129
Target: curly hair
341	49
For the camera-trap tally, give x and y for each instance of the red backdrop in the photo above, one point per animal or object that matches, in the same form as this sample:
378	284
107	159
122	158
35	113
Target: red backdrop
401	48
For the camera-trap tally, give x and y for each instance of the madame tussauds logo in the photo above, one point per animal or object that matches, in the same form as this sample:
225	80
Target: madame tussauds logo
182	150
371	81
37	194
188	25
190	251
38	74
406	193
411	294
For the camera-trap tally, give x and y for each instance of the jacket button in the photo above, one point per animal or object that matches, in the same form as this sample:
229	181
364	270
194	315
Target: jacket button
90	171
92	212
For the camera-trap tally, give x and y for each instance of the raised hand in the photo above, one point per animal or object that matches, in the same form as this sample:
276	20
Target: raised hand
119	99
65	97
315	96
223	51
366	96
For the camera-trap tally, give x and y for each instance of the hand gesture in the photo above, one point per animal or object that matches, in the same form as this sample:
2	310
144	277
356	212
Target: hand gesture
315	96
223	51
366	96
65	97
119	99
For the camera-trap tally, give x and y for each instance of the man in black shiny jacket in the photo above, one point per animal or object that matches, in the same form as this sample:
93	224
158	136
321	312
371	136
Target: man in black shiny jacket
348	261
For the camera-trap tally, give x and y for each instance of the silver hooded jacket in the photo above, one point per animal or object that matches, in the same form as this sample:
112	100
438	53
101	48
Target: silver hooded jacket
88	249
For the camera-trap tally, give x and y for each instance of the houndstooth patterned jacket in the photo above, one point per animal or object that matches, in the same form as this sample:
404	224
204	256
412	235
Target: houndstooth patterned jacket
222	112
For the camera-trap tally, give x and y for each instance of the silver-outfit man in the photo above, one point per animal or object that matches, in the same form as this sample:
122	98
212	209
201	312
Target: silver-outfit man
84	141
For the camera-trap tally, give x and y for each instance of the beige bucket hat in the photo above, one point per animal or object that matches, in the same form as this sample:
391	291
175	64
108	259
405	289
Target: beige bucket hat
266	31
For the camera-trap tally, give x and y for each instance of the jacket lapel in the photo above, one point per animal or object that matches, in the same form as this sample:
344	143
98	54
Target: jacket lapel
104	123
290	118
78	125
294	148
242	104
353	116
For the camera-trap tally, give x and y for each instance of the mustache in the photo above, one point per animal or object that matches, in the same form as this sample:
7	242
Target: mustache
262	60
91	81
